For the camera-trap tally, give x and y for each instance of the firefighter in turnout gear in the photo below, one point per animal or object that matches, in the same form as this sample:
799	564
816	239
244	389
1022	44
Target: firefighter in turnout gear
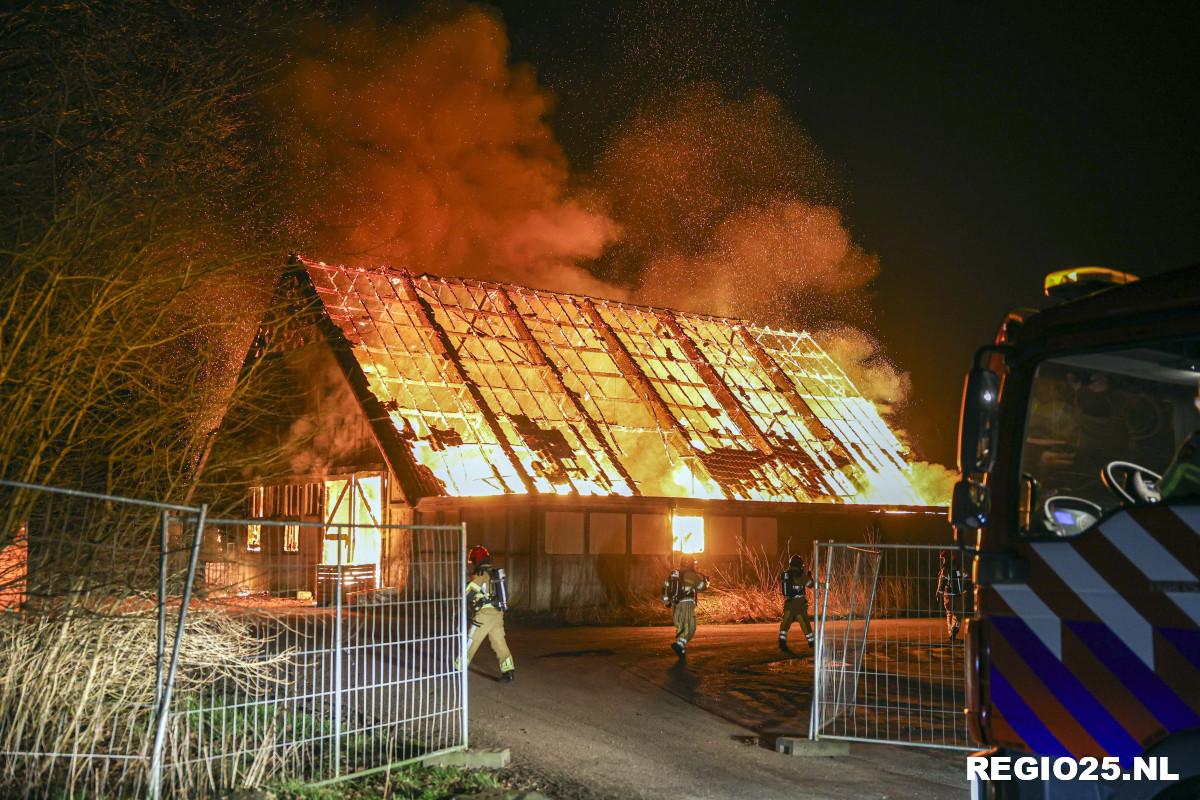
1181	478
679	593
487	600
951	585
794	583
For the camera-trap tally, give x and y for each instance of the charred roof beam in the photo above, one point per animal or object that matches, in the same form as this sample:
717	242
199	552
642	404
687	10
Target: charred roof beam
425	311
633	374
784	385
715	385
296	284
535	354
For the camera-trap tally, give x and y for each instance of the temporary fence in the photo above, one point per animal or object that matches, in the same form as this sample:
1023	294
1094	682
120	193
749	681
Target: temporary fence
889	654
154	649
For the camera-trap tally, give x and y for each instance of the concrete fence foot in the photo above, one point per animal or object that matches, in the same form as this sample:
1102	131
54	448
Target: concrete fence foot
471	759
825	748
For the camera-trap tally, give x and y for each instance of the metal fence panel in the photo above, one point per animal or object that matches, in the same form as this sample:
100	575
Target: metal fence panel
887	668
349	666
304	660
82	640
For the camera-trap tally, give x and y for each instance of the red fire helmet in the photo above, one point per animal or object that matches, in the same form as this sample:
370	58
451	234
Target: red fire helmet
479	554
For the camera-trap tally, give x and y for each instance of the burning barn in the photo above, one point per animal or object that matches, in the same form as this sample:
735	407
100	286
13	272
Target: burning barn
581	440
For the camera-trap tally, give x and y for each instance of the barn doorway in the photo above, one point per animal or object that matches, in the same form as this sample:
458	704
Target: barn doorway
353	538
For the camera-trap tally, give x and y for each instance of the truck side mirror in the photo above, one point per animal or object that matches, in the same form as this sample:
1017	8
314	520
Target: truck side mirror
977	433
969	506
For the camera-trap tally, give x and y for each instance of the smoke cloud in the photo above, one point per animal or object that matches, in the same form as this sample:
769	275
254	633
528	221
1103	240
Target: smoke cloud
727	206
419	145
862	358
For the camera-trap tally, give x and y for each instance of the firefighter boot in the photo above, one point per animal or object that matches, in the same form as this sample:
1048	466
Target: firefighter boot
678	648
952	624
783	646
508	675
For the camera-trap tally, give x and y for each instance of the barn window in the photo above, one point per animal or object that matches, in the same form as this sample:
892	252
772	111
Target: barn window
606	533
291	538
762	533
564	533
687	533
254	532
651	534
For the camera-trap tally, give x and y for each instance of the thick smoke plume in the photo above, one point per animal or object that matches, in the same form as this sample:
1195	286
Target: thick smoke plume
728	207
420	145
862	358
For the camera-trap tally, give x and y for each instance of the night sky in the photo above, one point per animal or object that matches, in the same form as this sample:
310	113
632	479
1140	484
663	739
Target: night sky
976	148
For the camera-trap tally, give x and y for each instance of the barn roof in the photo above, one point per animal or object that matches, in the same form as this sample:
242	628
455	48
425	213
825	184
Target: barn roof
488	388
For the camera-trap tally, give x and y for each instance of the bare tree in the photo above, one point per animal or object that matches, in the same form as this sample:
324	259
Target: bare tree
140	233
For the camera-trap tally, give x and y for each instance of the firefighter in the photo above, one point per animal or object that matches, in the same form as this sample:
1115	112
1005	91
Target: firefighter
794	583
951	585
487	600
679	593
1182	476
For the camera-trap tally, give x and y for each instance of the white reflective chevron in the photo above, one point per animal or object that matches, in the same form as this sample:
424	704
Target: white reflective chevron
1033	612
1189	602
1190	515
1115	612
1155	562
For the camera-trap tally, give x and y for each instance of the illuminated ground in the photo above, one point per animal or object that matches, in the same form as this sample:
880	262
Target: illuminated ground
608	712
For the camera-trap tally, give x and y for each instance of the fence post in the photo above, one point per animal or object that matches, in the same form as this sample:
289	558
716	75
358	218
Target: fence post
462	636
161	653
164	703
862	648
816	622
337	661
815	733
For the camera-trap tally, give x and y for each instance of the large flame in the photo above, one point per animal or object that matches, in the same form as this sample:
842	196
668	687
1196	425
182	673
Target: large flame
500	389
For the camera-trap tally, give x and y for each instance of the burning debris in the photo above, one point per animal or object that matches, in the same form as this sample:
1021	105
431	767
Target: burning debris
501	389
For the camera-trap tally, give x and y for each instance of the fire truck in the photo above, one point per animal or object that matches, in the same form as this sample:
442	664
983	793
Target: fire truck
1079	510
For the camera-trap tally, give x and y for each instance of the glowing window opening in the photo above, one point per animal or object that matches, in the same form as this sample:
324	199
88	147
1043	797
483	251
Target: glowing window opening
353	509
254	532
291	538
687	533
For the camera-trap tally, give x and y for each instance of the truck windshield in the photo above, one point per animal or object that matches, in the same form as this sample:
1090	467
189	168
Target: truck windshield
1110	429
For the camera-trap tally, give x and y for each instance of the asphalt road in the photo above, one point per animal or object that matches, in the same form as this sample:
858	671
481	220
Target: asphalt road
610	712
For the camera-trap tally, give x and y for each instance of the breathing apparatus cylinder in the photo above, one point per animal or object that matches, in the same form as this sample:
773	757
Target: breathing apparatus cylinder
793	583
671	589
499	588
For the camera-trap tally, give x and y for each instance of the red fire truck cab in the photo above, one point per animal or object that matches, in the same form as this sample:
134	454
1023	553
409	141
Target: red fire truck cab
1079	505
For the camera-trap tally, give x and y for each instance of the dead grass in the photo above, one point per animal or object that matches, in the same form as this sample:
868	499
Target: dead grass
83	682
744	591
852	579
748	591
